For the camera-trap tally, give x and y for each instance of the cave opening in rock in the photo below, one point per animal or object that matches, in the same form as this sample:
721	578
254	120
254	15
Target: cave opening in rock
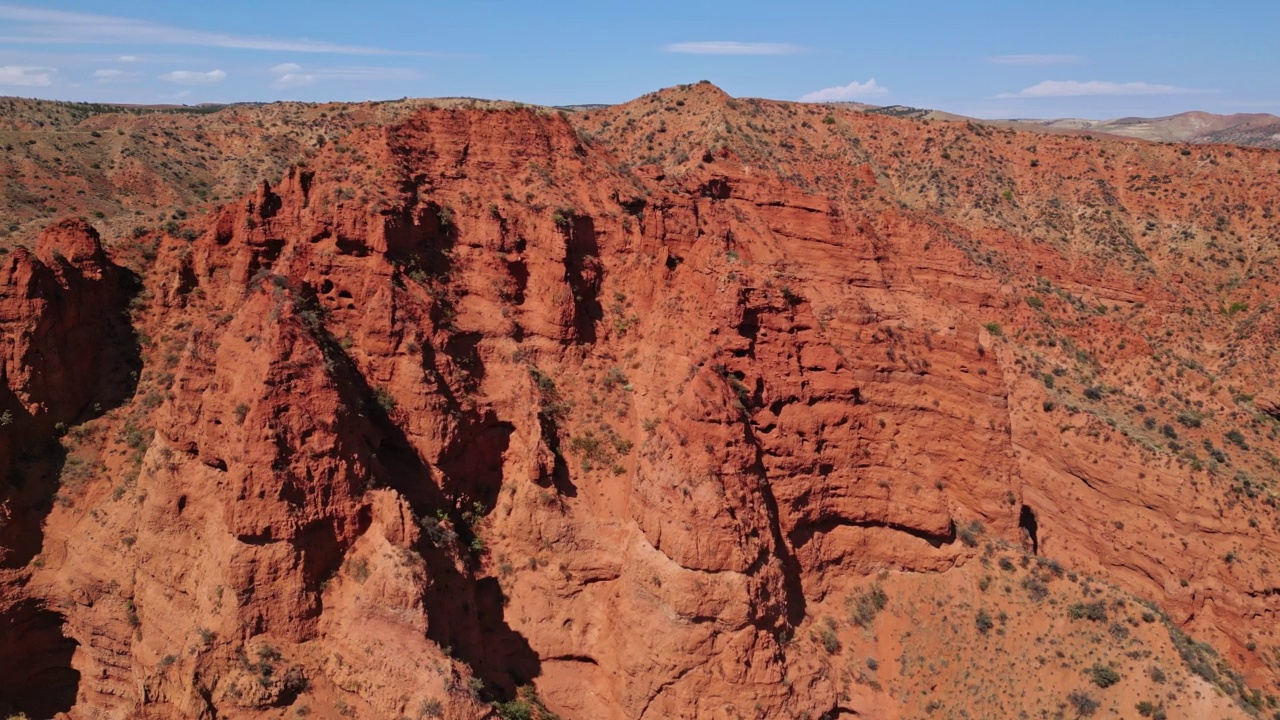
36	676
1027	521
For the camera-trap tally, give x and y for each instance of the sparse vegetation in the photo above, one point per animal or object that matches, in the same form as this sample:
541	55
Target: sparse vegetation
525	706
830	641
1095	611
971	533
1084	704
864	605
384	399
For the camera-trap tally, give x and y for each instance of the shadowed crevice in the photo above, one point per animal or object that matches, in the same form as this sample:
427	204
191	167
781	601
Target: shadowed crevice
802	534
1030	528
36	676
583	272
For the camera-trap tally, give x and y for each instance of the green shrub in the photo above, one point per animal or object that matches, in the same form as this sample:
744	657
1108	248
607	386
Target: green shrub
1095	611
1035	588
983	621
970	533
526	706
554	407
563	217
1104	676
864	606
385	399
359	569
614	378
1084	703
830	642
514	710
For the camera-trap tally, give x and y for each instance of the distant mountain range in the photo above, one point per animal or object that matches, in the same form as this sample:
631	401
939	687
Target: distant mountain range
1250	129
1254	129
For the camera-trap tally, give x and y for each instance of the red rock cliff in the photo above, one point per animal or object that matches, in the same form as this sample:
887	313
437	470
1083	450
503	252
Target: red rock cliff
473	402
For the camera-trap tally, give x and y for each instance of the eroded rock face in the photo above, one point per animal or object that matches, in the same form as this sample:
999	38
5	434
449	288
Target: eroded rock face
59	313
467	403
67	356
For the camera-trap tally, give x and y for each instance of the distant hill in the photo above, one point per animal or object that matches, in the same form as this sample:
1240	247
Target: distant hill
1248	129
1252	129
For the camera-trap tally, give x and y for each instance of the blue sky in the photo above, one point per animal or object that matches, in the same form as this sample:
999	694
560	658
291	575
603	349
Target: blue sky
1088	58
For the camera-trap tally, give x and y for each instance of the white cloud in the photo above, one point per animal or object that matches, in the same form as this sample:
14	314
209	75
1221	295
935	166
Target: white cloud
26	76
853	91
192	77
292	75
128	58
294	80
730	47
1075	88
108	74
1036	59
40	26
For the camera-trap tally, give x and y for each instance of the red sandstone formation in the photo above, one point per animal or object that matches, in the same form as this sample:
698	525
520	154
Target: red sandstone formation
692	407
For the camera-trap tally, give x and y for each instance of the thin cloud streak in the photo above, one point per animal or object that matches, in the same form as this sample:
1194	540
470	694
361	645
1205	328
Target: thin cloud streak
293	75
1095	88
1036	59
40	26
733	47
110	74
191	77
